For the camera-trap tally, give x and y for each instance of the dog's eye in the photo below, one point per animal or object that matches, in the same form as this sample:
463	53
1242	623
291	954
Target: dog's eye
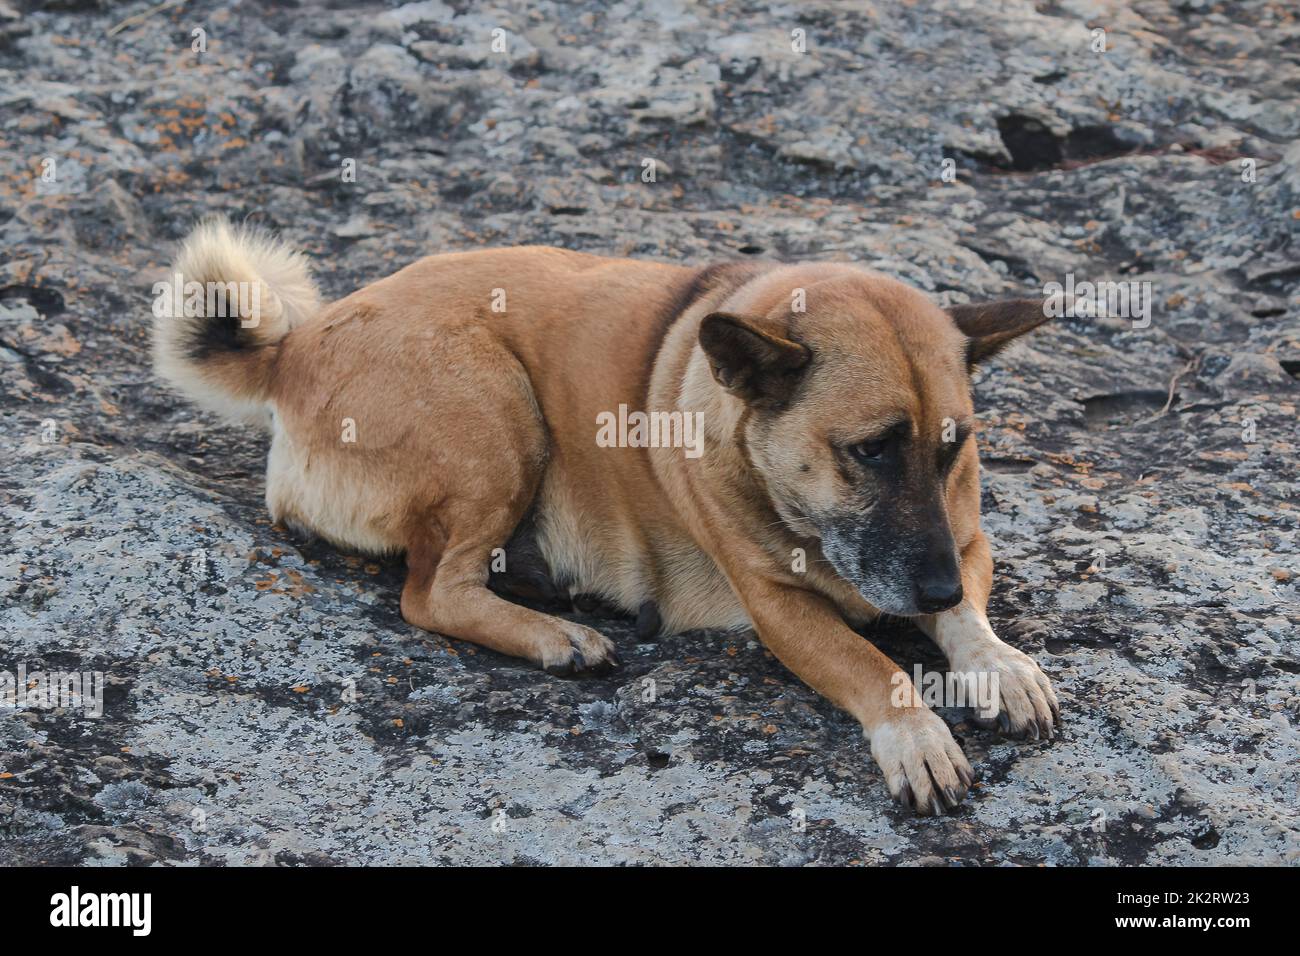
868	452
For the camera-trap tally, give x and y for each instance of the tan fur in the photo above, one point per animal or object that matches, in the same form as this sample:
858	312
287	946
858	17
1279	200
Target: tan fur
465	418
218	252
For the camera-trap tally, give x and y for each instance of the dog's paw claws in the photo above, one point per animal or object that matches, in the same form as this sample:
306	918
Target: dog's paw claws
1027	708
925	770
586	652
905	798
967	775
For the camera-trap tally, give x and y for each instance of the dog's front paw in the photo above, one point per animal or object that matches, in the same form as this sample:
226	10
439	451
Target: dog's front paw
924	768
1021	703
578	649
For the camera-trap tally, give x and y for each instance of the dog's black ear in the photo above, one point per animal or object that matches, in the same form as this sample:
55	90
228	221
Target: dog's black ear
761	368
990	326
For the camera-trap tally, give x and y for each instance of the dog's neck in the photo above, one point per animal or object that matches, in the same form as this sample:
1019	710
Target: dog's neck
721	414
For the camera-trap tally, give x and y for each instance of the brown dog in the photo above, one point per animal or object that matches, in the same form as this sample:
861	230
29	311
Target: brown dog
786	447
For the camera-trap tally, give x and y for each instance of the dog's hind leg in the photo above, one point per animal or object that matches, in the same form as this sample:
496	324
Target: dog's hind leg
446	591
451	449
478	498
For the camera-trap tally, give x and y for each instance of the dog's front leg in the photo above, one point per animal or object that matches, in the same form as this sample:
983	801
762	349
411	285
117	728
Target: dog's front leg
1010	688
924	768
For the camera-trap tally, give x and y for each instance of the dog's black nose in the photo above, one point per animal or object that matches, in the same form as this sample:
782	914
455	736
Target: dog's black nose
936	580
938	593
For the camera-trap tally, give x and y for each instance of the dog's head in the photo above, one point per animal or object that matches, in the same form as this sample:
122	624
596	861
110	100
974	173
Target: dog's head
860	421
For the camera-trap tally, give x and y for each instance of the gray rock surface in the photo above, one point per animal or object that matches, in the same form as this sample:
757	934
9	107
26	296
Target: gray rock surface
266	704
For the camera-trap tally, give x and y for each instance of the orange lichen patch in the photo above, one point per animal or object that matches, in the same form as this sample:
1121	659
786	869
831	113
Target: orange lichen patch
1092	484
1226	454
1238	486
171	178
300	689
55	339
1069	461
296	585
266	583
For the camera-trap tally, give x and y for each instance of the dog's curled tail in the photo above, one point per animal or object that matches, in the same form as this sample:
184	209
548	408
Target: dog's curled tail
231	295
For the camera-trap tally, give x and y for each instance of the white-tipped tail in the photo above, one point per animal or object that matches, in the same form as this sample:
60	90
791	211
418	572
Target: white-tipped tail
232	294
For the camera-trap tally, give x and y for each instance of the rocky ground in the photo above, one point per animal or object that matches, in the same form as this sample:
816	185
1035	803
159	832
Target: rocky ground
265	702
